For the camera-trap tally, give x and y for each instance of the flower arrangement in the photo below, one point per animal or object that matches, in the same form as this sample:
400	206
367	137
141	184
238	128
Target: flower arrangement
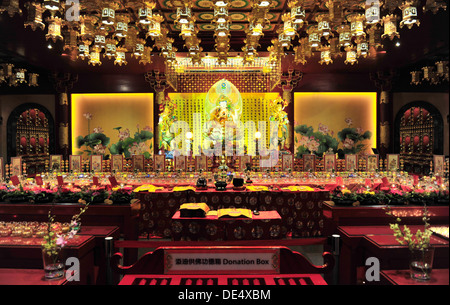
318	142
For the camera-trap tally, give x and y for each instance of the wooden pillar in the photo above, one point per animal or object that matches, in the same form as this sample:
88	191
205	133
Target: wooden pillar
63	83
385	117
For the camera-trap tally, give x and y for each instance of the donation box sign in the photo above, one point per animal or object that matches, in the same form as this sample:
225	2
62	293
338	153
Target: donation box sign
222	260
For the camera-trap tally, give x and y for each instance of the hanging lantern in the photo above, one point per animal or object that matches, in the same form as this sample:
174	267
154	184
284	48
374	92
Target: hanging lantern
34	16
256	29
146	13
99	41
298	15
314	36
428	73
345	36
222	29
51	5
284	40
323	25
120	57
187	29
357	26
94	58
434	6
415	77
441	67
146	57
87	29
289	26
373	14
11	7
409	15
122	27
351	56
139	48
83	51
33	79
221	14
362	49
325	56
8	70
390	27
184	15
20	75
108	14
111	47
154	28
54	29
70	39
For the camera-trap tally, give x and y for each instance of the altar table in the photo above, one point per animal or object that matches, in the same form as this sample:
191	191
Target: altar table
22	277
264	226
301	211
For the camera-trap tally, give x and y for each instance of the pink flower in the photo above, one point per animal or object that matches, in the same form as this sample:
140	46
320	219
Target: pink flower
99	149
61	241
359	130
124	134
348	143
148	128
88	115
323	128
98	130
349	121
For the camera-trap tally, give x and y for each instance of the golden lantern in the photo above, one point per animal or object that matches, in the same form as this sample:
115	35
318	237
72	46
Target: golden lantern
184	14
221	14
325	56
288	26
146	57
390	27
298	14
154	28
441	68
323	25
99	41
33	79
139	48
12	7
54	29
345	36
108	14
34	16
187	29
351	56
83	51
262	3
222	30
285	41
94	58
146	13
87	29
20	75
372	13
314	36
120	58
357	26
362	49
409	14
375	39
428	73
110	48
255	29
70	39
416	78
122	27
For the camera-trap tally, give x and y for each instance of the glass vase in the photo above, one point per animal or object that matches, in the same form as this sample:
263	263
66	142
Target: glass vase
53	264
421	263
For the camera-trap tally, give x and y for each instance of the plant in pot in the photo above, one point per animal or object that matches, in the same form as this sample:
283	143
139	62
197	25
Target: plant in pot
421	251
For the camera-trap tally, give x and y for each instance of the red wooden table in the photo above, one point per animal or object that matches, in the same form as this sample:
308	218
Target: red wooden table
266	225
361	242
26	253
266	279
21	277
402	277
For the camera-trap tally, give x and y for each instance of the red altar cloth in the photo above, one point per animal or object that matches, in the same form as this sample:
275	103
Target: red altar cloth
266	225
301	211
